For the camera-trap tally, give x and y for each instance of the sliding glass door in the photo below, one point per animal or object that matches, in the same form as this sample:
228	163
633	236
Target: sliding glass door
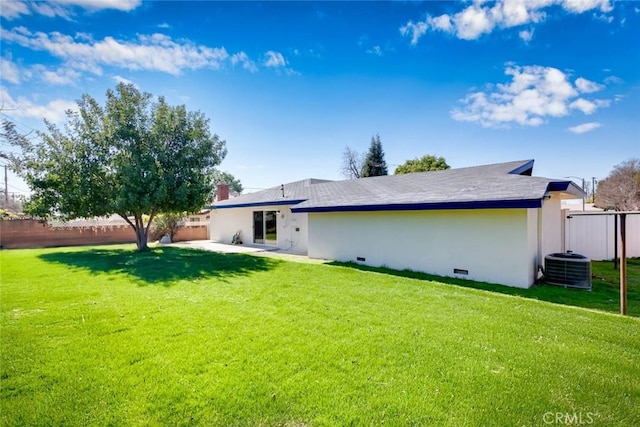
270	228
265	227
258	227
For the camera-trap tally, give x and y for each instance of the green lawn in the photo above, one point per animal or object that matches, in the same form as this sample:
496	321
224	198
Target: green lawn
107	336
605	293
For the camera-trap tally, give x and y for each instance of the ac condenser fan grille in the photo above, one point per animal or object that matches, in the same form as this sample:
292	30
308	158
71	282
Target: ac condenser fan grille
571	270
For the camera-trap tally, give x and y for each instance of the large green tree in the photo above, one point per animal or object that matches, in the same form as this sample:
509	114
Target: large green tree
374	163
426	163
136	156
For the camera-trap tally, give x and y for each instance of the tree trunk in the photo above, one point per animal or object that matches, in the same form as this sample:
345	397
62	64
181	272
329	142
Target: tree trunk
141	234
141	239
141	231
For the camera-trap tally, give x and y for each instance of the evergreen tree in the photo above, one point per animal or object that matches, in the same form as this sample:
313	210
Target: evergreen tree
374	163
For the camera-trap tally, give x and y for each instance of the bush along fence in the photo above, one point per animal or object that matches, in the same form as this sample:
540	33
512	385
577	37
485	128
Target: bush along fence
31	233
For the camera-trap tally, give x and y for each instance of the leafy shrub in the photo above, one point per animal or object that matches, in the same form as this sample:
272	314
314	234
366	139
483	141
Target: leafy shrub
166	224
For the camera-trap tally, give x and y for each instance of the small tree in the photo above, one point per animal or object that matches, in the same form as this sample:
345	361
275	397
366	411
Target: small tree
132	157
374	163
621	189
425	163
167	225
352	162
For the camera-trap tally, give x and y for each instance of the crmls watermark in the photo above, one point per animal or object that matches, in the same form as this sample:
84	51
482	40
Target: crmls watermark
569	418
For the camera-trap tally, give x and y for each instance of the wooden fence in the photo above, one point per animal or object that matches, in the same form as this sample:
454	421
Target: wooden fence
29	233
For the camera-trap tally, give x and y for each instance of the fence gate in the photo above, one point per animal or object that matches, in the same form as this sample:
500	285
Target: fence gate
593	235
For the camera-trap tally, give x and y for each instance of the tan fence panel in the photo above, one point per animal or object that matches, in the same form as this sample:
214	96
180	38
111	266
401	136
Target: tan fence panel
29	233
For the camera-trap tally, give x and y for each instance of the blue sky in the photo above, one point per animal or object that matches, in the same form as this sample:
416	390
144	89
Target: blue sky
289	85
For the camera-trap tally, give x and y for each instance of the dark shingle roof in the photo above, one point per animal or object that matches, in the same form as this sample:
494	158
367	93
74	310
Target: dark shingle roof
294	192
488	186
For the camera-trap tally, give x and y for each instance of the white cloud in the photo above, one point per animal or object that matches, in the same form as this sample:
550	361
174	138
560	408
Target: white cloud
416	30
580	6
587	107
586	86
120	79
585	127
164	26
61	76
156	52
608	18
484	17
534	94
123	5
12	9
243	58
526	35
376	50
274	59
472	22
442	23
54	111
9	71
613	80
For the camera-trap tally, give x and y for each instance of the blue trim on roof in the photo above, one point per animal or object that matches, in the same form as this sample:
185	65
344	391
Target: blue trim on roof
523	168
567	186
481	204
558	186
257	204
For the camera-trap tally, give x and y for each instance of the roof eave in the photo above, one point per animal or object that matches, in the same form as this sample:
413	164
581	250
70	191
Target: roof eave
567	187
259	204
478	204
524	169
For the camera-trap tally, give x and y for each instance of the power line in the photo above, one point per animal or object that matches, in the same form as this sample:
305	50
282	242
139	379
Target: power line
19	189
17	122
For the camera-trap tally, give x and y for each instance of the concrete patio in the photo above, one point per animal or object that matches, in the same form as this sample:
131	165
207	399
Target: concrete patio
246	249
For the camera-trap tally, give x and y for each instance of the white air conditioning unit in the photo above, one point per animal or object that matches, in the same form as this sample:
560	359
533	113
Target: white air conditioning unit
568	269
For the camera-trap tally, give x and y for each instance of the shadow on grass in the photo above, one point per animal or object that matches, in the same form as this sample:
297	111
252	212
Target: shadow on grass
165	265
605	293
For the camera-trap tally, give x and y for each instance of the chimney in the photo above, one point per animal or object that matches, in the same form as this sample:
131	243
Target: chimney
223	191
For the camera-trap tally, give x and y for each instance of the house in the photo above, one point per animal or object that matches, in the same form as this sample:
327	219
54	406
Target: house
491	223
200	218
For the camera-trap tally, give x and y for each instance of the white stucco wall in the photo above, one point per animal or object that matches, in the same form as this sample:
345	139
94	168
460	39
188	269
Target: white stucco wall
292	231
533	241
225	222
552	225
493	245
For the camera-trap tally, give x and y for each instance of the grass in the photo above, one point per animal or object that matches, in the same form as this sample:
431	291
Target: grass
108	336
605	293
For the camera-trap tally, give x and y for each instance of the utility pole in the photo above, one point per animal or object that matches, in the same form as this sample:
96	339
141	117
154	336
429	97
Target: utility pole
585	195
593	189
6	185
6	182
